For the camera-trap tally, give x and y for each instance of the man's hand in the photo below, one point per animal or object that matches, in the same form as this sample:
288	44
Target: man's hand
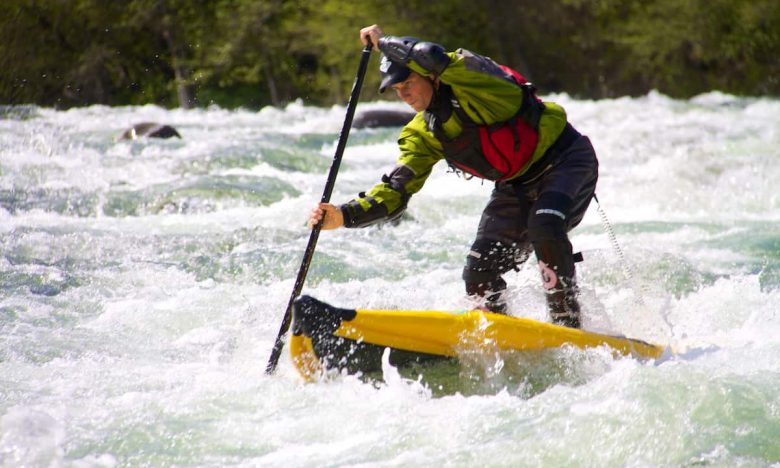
372	32
333	217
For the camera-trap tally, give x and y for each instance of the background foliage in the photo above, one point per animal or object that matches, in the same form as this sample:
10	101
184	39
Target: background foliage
252	53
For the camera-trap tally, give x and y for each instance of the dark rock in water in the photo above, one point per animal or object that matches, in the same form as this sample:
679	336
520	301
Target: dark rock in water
382	118
149	129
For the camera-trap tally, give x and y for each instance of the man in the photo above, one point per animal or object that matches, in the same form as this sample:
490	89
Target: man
485	121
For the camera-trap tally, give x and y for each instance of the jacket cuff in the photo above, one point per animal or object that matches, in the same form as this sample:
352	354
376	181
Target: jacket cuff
355	216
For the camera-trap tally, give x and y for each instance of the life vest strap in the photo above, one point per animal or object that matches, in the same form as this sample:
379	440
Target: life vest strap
532	107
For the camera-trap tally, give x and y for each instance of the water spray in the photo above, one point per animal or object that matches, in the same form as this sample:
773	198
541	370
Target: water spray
639	288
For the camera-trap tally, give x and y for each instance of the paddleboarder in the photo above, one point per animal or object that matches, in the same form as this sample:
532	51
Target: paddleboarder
484	120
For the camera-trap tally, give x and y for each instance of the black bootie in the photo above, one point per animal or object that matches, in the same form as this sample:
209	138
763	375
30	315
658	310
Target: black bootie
556	264
495	303
563	305
489	294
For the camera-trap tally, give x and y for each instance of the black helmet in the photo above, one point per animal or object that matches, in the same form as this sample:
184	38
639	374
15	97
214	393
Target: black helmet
392	73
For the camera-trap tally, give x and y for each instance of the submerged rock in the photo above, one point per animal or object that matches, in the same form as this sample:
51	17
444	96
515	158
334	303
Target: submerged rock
382	118
150	130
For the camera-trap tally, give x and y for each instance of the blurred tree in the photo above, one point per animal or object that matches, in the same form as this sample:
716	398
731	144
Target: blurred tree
256	52
333	36
685	48
257	58
185	27
49	55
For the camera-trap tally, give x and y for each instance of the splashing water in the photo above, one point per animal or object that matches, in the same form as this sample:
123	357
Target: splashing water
143	283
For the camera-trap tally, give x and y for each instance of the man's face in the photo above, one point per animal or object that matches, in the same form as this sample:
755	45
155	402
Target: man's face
417	91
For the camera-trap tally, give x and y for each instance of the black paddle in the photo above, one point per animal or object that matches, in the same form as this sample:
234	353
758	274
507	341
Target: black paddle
315	232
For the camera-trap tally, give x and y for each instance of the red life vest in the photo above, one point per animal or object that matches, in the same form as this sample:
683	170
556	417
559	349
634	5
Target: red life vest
498	151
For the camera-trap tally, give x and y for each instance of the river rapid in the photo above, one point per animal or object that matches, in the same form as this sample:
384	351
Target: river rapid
142	284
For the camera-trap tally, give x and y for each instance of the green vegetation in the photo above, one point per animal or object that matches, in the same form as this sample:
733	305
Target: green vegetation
252	53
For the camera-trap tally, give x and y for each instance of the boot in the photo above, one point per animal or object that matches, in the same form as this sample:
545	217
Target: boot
490	294
495	303
563	305
556	264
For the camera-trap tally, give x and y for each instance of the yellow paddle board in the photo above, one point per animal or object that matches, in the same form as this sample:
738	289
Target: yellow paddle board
329	337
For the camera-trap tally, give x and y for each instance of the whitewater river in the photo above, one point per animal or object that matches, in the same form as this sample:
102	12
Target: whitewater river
142	284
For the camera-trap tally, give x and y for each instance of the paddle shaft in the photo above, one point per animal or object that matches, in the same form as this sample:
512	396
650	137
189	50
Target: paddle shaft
273	360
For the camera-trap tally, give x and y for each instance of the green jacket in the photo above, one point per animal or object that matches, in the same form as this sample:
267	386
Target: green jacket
495	99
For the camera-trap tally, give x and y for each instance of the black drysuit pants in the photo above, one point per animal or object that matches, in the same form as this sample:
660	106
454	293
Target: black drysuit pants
533	214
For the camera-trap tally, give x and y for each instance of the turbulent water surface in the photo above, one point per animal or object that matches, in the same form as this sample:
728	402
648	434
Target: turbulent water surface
142	284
